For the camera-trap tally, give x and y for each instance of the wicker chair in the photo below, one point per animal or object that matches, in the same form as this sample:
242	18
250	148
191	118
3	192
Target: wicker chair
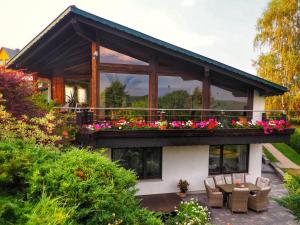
238	200
228	179
259	202
214	196
238	178
263	182
219	180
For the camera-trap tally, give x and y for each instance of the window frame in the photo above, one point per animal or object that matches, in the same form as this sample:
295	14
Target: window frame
143	149
222	160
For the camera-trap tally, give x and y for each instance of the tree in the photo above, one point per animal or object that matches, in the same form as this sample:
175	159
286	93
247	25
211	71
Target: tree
278	38
115	94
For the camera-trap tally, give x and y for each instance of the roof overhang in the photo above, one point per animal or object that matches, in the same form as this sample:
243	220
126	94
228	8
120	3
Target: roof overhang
66	42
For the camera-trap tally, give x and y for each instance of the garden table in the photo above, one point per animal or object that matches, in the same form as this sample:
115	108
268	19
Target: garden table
227	188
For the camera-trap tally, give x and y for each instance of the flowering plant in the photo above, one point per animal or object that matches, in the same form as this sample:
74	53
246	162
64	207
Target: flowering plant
183	185
190	212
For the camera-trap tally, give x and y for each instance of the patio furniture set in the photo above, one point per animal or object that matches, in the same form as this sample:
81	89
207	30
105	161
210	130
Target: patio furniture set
239	195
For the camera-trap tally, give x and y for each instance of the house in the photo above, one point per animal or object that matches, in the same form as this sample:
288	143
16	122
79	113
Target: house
116	70
6	54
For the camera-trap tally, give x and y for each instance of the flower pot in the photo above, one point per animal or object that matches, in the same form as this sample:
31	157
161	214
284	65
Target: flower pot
182	194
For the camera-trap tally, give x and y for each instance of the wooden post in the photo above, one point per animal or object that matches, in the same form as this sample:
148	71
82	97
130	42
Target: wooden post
35	82
58	89
153	89
250	101
95	81
206	92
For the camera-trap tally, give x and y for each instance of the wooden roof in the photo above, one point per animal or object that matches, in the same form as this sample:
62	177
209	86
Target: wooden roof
64	47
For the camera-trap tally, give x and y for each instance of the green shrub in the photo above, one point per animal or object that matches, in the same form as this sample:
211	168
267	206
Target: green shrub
92	183
16	159
292	183
40	100
291	202
295	140
11	209
51	212
190	212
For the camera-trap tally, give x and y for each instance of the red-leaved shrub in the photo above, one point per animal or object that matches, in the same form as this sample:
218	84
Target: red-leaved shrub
16	87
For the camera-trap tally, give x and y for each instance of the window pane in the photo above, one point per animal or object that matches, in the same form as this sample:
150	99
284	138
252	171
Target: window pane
153	162
130	159
235	158
214	159
124	90
111	56
77	91
227	99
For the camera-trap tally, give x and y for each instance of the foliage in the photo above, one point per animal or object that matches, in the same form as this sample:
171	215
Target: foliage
290	153
16	159
17	91
293	172
183	186
191	213
295	140
93	184
37	129
40	100
115	94
292	201
50	211
278	34
11	210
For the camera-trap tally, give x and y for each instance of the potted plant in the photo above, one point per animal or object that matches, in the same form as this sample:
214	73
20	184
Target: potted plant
183	187
162	125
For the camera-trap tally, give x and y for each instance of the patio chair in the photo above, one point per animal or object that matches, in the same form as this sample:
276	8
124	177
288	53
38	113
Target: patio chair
263	182
238	200
259	202
238	178
214	196
219	180
228	179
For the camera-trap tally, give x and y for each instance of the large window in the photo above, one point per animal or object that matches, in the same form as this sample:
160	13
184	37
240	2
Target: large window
228	159
77	91
123	90
146	162
222	98
111	56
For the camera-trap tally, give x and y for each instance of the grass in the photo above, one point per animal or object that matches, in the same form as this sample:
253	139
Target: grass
289	152
293	172
269	155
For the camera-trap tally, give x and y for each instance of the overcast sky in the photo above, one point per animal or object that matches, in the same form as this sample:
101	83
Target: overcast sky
220	29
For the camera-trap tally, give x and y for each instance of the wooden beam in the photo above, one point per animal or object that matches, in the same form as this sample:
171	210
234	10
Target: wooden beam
153	89
206	89
123	68
94	101
250	101
58	89
35	78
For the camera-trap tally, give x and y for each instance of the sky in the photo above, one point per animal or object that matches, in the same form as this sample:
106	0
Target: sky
219	29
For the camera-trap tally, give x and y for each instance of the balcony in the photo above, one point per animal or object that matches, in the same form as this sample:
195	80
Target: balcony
142	127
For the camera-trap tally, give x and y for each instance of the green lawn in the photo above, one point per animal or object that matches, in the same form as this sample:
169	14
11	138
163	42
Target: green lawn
288	152
269	155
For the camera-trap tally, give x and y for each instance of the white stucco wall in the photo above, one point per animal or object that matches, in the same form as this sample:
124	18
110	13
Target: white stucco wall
258	104
255	162
190	163
179	162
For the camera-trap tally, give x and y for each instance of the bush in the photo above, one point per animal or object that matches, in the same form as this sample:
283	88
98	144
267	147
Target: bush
92	183
40	100
16	160
295	140
11	210
190	212
17	91
51	212
292	201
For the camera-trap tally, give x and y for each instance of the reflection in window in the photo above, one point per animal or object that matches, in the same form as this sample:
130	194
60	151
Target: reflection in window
111	56
176	93
146	162
228	159
76	91
123	90
225	99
